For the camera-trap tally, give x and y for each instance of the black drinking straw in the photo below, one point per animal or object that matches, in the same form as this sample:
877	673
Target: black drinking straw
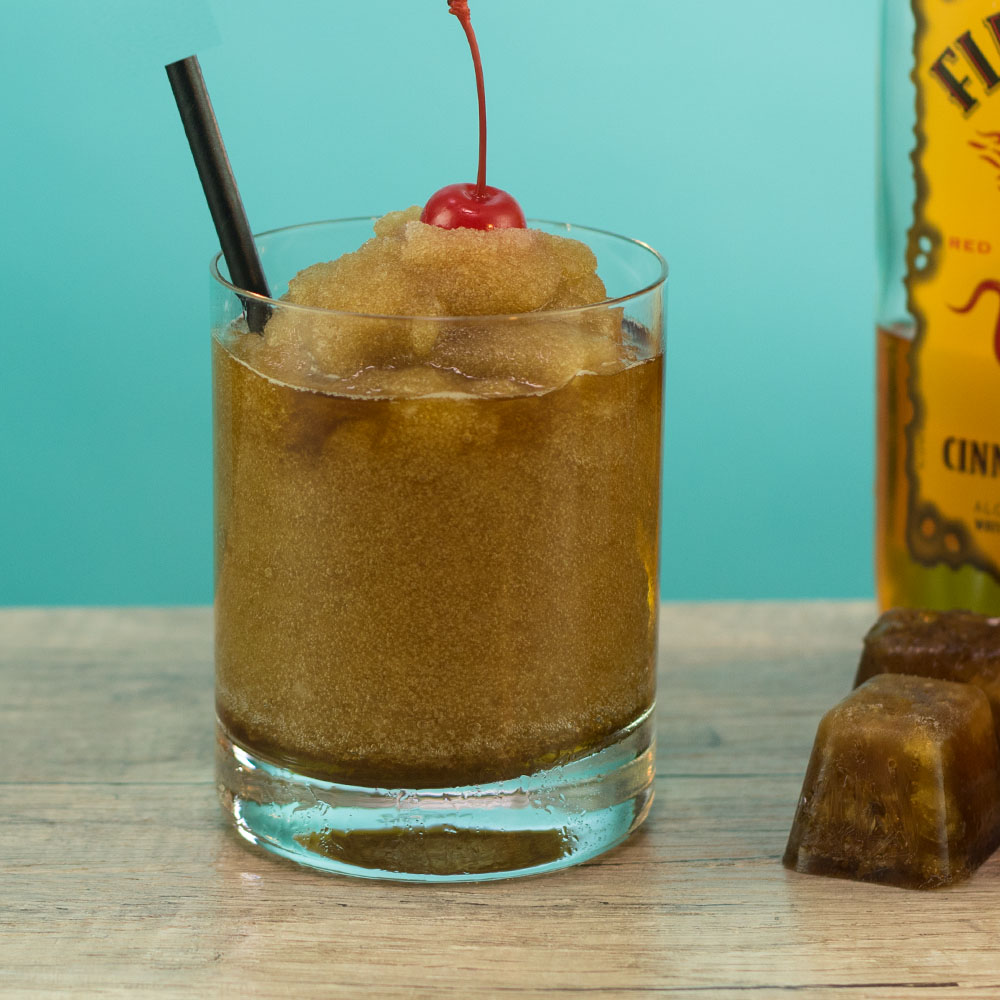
219	185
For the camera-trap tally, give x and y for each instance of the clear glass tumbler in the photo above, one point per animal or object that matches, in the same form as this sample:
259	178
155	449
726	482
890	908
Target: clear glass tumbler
436	609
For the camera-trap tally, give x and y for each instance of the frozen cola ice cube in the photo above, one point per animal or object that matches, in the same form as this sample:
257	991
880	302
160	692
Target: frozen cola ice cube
474	272
903	786
340	346
381	307
949	645
543	353
402	383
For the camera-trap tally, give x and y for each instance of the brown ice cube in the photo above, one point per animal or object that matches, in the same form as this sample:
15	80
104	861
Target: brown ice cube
335	345
381	306
412	269
402	383
949	645
482	273
393	223
541	353
903	786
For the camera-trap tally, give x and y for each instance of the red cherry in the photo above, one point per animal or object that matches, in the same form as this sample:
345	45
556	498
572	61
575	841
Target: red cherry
473	206
460	206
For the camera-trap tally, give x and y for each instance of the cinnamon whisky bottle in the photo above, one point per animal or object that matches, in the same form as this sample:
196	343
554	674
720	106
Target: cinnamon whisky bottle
937	533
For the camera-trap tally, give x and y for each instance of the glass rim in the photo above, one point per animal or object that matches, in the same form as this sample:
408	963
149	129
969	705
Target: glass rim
246	295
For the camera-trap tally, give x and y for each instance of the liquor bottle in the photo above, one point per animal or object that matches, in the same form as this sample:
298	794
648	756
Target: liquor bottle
937	535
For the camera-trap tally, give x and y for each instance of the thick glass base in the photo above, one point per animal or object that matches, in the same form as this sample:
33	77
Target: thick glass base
528	825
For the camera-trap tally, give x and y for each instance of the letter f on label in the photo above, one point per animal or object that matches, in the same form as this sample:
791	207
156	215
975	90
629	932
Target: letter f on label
956	88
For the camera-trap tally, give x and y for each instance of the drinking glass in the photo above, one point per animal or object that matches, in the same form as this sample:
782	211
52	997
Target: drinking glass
436	611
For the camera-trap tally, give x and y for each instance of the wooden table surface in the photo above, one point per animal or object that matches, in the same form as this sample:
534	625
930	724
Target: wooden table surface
119	878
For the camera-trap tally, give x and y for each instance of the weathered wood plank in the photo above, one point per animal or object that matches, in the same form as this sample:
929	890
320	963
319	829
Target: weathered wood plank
118	877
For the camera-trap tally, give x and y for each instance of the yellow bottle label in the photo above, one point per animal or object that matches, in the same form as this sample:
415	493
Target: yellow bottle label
953	283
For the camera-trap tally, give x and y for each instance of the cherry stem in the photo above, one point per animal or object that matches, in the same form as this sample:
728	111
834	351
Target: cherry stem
460	8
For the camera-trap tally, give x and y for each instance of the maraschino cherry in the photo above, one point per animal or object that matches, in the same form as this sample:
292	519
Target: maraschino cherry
473	206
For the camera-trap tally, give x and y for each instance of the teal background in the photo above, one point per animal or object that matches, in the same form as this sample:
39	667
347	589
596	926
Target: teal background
736	138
